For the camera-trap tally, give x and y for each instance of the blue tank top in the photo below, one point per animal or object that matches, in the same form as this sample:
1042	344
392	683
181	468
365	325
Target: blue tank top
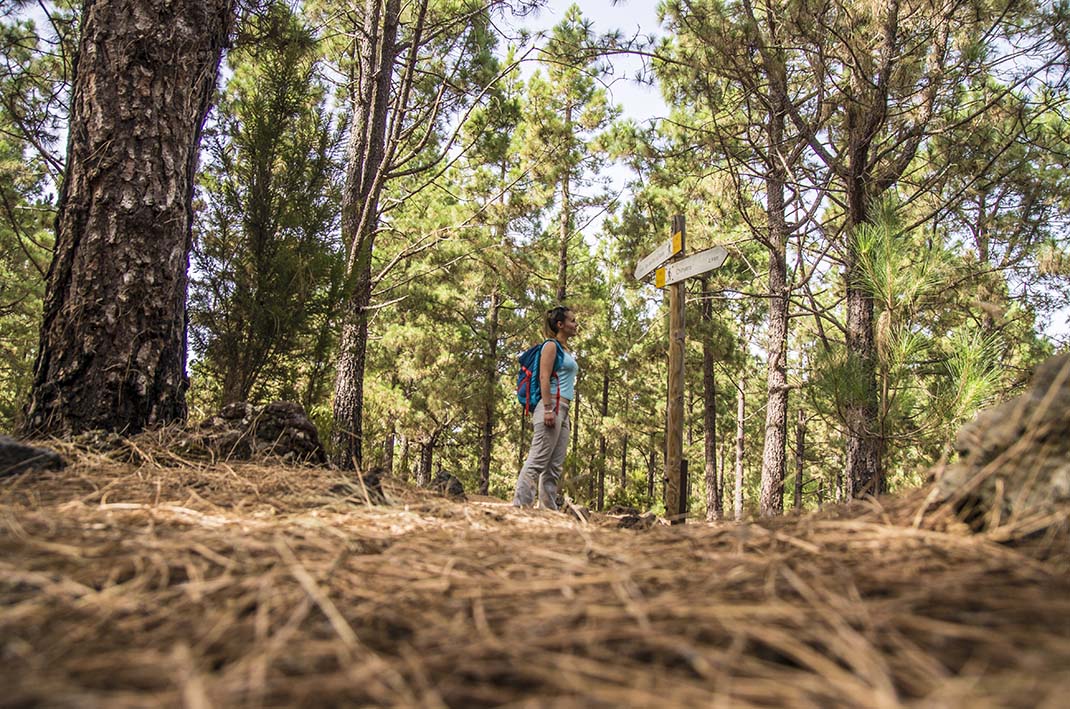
566	377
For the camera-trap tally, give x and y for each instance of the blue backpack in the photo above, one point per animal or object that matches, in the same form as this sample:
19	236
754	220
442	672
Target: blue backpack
527	379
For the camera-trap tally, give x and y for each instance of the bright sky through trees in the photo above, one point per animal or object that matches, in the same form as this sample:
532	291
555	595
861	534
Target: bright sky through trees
631	17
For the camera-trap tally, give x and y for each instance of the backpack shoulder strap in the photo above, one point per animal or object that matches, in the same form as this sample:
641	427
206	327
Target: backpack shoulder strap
560	356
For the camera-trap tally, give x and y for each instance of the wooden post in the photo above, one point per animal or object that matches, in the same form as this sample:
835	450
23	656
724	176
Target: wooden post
674	435
673	275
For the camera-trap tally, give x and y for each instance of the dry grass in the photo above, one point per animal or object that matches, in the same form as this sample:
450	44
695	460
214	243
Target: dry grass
162	582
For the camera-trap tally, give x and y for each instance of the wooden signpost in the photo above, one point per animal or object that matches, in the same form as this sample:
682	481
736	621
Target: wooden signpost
665	251
674	275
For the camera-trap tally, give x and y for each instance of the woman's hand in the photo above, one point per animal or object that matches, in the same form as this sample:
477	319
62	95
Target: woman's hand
548	416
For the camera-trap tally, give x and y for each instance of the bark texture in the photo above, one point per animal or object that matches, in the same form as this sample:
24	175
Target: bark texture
774	455
113	340
864	471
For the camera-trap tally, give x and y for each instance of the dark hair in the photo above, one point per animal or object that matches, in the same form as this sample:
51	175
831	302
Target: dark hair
554	317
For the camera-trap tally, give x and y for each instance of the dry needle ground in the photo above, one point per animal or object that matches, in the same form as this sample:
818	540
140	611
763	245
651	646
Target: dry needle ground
140	579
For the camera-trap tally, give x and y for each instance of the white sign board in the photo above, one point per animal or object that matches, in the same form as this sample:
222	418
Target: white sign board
659	256
690	266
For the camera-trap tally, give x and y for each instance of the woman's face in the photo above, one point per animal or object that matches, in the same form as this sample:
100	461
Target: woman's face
569	326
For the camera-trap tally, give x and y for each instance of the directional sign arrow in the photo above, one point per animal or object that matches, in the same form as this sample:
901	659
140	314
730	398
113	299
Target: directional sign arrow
692	265
659	256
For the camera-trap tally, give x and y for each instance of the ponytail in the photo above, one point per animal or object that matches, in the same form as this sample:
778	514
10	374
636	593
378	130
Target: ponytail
554	317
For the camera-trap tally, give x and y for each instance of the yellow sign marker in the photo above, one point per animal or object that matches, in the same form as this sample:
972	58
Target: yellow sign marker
660	255
659	276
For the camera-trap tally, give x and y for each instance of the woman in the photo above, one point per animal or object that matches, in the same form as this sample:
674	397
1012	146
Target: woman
542	469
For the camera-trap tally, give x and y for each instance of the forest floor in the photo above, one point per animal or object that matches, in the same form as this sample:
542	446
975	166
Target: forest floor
138	579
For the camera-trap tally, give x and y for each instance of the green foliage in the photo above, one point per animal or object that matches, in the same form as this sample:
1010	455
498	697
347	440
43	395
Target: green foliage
266	261
964	264
25	251
33	88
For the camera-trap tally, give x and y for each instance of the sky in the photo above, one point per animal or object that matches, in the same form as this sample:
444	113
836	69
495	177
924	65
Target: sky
640	102
631	17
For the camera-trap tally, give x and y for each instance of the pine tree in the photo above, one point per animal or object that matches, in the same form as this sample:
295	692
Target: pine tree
265	254
112	346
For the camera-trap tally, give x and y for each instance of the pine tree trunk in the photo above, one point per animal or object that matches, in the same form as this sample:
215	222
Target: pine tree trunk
112	349
741	405
427	458
709	409
564	227
349	385
602	442
427	454
651	470
491	389
863	469
366	160
800	457
722	476
405	458
774	453
388	450
839	485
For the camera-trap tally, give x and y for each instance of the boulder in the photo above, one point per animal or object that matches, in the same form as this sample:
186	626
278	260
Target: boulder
1014	459
279	429
368	487
448	485
16	457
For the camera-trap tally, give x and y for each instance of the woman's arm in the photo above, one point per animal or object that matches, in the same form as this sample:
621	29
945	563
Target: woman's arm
546	370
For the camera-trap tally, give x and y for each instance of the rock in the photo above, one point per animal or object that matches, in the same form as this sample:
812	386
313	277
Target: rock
281	429
449	486
369	487
1015	457
637	521
99	441
18	458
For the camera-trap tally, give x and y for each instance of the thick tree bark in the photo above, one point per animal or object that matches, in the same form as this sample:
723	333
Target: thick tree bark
714	505
113	340
491	390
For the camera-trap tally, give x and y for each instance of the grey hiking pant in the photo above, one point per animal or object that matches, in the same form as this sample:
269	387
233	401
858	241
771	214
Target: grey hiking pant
545	461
